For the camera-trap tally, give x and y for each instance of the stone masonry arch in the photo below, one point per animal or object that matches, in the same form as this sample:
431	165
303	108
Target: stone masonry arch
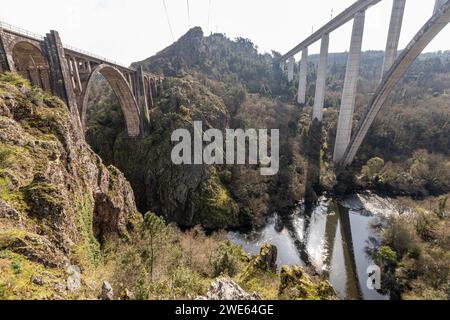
68	73
124	94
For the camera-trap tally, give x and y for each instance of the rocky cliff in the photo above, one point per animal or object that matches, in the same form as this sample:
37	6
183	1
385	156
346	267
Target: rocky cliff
58	201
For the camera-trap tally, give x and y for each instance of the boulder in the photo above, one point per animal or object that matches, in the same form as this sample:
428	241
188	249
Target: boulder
267	259
107	291
227	289
74	278
37	280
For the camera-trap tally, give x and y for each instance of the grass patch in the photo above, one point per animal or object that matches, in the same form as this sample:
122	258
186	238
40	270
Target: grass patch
88	251
14	79
16	273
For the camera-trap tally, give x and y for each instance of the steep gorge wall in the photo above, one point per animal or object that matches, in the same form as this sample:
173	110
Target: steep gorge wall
58	201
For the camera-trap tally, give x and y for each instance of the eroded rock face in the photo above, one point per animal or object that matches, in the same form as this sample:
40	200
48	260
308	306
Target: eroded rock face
56	193
227	289
186	194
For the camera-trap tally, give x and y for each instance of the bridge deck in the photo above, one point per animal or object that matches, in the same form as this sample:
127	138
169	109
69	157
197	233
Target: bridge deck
34	36
334	24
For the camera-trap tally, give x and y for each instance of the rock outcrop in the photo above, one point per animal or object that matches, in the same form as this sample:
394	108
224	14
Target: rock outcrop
297	284
107	291
58	200
227	289
264	262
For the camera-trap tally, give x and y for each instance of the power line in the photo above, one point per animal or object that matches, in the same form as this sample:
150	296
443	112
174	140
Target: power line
168	20
189	14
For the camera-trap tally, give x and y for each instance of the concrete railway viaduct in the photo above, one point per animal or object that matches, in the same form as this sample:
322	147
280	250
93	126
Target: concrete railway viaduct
394	67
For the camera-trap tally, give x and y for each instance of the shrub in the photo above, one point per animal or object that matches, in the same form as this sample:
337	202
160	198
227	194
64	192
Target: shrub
186	282
15	79
227	259
16	266
5	157
386	257
142	290
440	211
372	170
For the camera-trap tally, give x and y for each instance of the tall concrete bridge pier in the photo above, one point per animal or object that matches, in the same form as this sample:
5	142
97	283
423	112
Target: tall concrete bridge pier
347	143
69	73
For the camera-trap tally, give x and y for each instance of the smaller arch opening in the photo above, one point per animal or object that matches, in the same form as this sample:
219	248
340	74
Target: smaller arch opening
31	64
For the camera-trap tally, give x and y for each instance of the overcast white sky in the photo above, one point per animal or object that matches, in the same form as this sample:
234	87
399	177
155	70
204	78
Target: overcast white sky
131	30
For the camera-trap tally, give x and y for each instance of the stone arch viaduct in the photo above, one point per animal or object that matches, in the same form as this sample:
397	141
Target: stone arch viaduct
69	73
394	67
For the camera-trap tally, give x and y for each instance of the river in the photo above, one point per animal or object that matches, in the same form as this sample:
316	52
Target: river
333	238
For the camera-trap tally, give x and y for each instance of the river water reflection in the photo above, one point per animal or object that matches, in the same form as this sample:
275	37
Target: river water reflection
333	238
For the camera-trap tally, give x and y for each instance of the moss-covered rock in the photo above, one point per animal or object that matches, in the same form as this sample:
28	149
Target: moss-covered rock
295	284
32	246
265	261
214	207
21	278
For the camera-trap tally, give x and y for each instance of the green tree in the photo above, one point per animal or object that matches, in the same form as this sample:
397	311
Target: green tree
372	170
153	235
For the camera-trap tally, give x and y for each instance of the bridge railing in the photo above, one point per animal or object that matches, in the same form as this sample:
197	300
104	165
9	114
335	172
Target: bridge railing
39	37
21	31
92	55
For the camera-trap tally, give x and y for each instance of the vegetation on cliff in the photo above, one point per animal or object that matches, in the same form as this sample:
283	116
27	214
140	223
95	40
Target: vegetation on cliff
58	201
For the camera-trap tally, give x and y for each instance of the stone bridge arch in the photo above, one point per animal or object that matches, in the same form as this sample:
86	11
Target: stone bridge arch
30	62
123	93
